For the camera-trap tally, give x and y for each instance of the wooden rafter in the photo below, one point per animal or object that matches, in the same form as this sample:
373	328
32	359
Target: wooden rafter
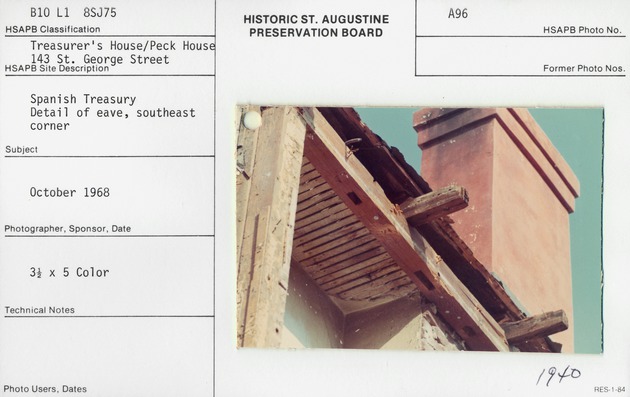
433	205
536	326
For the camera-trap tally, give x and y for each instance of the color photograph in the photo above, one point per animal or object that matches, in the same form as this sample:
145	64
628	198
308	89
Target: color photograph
438	229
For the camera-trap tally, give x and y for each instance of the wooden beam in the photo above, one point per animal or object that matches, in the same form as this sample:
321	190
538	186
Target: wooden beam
356	187
267	190
536	326
434	205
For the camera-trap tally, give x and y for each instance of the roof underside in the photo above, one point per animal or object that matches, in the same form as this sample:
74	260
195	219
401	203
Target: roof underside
338	251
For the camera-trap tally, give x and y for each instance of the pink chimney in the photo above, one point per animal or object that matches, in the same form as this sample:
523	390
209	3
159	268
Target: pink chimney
521	193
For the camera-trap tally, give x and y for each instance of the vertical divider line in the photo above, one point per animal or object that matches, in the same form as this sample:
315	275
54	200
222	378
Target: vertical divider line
214	206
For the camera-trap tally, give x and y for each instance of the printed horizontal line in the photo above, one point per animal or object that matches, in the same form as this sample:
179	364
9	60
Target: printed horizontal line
517	36
109	35
105	235
109	75
113	156
520	75
122	316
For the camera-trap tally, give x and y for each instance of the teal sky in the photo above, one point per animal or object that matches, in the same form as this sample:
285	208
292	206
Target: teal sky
578	135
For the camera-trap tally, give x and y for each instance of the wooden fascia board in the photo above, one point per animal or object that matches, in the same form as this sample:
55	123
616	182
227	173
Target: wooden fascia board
356	187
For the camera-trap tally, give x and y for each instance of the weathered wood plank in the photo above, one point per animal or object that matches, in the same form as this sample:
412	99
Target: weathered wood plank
339	252
317	205
314	199
327	231
353	271
356	187
313	191
340	240
344	261
536	326
379	277
308	172
334	232
323	221
398	287
307	185
309	180
307	167
330	207
265	250
434	205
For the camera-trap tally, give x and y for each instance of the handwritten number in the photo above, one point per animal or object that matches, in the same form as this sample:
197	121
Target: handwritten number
540	376
552	372
573	371
564	374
